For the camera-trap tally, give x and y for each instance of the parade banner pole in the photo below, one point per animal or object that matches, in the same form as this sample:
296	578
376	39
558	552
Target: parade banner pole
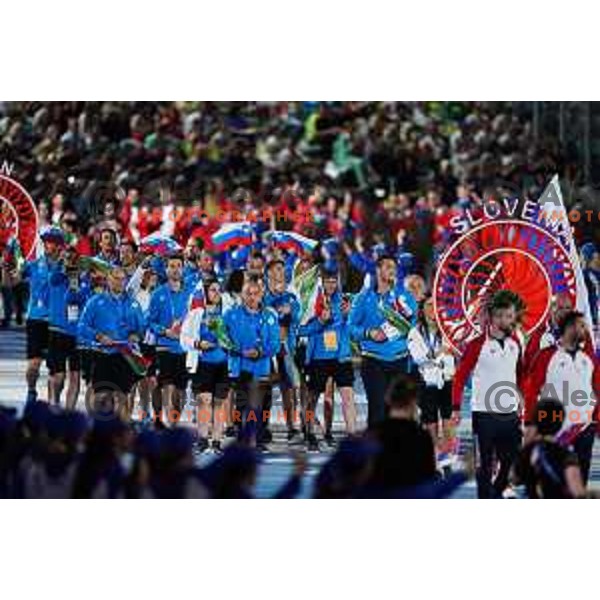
553	207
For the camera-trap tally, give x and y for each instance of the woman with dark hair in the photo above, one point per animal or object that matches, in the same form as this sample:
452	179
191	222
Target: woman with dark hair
210	381
436	368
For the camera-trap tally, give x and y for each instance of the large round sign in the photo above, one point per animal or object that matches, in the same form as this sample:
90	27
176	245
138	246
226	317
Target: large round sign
500	255
18	215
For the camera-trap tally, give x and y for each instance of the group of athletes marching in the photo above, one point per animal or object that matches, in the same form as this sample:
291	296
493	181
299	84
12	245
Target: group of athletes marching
90	322
253	334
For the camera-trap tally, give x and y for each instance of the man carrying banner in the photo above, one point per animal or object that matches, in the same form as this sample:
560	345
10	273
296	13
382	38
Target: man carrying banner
568	370
493	361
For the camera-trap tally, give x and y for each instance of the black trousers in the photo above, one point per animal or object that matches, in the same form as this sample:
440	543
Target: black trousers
583	446
252	400
14	299
497	436
377	375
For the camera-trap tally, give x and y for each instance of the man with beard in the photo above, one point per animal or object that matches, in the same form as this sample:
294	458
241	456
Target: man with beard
493	360
191	253
568	370
383	346
546	335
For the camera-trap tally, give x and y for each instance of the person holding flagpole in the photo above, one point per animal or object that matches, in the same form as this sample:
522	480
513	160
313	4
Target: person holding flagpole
493	361
568	370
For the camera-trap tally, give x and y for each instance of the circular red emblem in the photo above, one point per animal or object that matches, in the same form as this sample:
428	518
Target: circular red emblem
513	255
18	215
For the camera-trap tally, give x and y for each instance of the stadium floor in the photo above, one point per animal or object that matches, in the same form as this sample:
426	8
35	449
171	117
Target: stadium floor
276	465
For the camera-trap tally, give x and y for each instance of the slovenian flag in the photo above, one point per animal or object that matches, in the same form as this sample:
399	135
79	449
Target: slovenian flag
197	299
232	234
159	244
293	242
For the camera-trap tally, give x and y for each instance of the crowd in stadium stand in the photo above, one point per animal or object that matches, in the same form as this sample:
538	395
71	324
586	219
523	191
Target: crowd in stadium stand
370	172
354	162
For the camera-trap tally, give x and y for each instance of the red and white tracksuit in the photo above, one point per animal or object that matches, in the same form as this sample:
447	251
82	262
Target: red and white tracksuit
489	361
573	378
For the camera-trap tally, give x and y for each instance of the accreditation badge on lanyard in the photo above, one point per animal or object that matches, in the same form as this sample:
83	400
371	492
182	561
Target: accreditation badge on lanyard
433	341
330	340
72	312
